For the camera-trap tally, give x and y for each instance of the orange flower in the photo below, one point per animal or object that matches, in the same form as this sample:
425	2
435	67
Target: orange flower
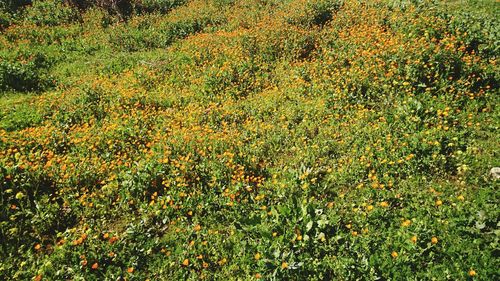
284	265
95	266
434	240
77	241
185	262
38	247
130	270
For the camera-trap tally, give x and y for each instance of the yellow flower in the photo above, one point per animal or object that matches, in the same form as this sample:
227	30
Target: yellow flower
185	262
284	265
19	196
384	204
394	254
222	262
434	240
406	223
257	256
413	239
472	273
439	203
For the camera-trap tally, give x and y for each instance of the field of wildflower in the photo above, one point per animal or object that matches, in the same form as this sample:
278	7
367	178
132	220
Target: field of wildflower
249	139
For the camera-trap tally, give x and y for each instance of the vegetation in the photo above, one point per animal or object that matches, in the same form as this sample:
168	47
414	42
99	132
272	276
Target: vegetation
236	139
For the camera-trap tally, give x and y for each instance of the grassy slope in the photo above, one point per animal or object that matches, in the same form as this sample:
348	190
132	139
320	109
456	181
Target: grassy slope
245	139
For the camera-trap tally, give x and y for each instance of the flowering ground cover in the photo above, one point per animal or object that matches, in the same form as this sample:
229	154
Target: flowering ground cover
244	140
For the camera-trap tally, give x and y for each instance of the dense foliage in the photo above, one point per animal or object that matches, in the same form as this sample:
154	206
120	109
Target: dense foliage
265	139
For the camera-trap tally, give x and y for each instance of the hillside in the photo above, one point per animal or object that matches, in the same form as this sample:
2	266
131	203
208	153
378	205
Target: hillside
249	139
